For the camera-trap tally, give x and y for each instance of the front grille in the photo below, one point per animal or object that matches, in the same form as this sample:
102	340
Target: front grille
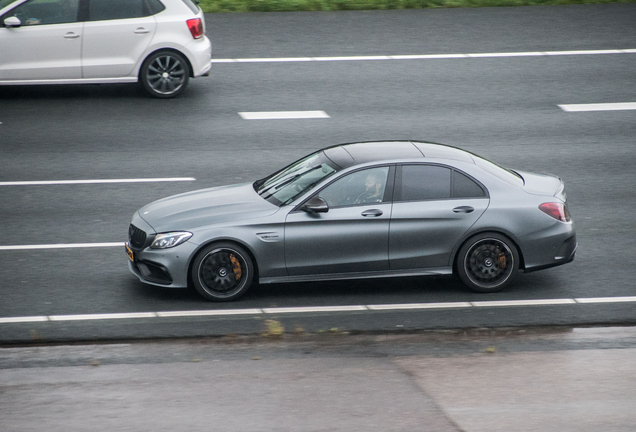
136	237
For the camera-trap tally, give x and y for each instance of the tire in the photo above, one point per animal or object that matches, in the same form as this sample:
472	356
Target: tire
487	262
222	272
164	74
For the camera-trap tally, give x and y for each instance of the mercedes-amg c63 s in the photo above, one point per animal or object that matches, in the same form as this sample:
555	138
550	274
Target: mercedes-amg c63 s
359	210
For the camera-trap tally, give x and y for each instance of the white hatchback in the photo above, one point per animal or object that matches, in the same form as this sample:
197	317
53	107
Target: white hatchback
158	43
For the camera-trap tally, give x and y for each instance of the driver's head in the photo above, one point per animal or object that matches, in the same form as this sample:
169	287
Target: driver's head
372	182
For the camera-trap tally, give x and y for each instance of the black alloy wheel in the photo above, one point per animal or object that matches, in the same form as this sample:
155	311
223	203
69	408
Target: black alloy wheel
164	74
487	262
222	272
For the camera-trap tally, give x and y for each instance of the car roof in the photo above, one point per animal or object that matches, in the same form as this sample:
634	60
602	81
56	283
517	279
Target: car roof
346	155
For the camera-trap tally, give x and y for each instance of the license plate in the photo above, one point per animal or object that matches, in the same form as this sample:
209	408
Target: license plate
130	253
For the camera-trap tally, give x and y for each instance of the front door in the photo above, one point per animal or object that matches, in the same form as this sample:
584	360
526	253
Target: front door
352	236
47	44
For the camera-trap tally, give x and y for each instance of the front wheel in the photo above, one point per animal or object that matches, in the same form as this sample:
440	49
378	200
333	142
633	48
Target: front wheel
487	262
222	272
164	74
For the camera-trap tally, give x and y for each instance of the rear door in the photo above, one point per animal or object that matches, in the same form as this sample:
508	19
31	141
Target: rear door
434	205
46	46
116	35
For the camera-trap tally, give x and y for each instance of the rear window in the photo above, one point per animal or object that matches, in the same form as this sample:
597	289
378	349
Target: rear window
419	182
425	182
100	10
501	173
193	7
465	187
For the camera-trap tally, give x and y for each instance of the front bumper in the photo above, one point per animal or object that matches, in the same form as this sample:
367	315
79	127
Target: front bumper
163	267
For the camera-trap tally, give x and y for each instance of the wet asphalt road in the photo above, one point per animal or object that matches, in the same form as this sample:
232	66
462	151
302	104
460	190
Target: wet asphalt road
505	109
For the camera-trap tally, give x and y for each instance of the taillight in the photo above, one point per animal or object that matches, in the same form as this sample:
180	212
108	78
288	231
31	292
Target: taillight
196	27
557	210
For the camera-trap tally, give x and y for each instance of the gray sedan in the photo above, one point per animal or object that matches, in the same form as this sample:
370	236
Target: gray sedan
359	210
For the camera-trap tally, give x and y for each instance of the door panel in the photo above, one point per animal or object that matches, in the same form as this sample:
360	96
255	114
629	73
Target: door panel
423	233
47	45
339	241
112	48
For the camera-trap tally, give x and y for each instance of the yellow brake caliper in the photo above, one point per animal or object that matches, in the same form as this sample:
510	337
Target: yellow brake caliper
236	267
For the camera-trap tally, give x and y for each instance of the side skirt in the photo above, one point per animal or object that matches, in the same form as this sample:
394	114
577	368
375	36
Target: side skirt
361	275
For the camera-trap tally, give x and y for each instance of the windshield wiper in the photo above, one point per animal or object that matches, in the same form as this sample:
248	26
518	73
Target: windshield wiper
289	180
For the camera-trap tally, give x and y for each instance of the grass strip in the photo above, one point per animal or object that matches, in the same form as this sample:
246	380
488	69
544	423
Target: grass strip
214	6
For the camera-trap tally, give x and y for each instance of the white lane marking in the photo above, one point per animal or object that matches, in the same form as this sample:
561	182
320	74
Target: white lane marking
283	115
620	106
314	309
422	56
309	309
605	300
134	315
99	181
63	246
408	306
221	312
522	302
26	319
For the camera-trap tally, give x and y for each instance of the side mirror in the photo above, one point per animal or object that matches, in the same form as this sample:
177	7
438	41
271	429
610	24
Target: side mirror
316	205
12	22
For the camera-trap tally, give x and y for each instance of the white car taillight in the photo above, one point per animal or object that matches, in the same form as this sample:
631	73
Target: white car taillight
196	27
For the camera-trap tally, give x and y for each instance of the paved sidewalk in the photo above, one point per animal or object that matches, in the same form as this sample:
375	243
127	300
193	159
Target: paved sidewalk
518	380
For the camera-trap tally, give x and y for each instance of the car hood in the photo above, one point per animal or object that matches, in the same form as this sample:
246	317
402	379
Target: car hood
205	207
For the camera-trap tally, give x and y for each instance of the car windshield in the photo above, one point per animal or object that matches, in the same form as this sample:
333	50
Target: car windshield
284	186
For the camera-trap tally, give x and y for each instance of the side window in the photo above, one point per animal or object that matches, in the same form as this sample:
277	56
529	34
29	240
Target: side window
361	187
425	182
42	12
465	187
100	10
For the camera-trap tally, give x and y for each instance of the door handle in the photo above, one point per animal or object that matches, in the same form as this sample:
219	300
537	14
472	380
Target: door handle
141	30
372	212
463	209
71	35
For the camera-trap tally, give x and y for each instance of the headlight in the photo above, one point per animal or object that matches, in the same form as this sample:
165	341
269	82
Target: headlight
171	239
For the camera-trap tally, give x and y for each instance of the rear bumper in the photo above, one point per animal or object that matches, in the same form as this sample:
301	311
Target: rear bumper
562	254
199	53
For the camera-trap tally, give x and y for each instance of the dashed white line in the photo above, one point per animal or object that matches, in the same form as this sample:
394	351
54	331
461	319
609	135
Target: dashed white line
283	115
25	319
103	316
408	306
606	300
619	106
317	309
307	309
542	302
422	56
171	314
63	246
97	181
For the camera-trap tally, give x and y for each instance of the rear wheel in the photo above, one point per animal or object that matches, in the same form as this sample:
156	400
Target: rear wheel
487	262
222	272
164	74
